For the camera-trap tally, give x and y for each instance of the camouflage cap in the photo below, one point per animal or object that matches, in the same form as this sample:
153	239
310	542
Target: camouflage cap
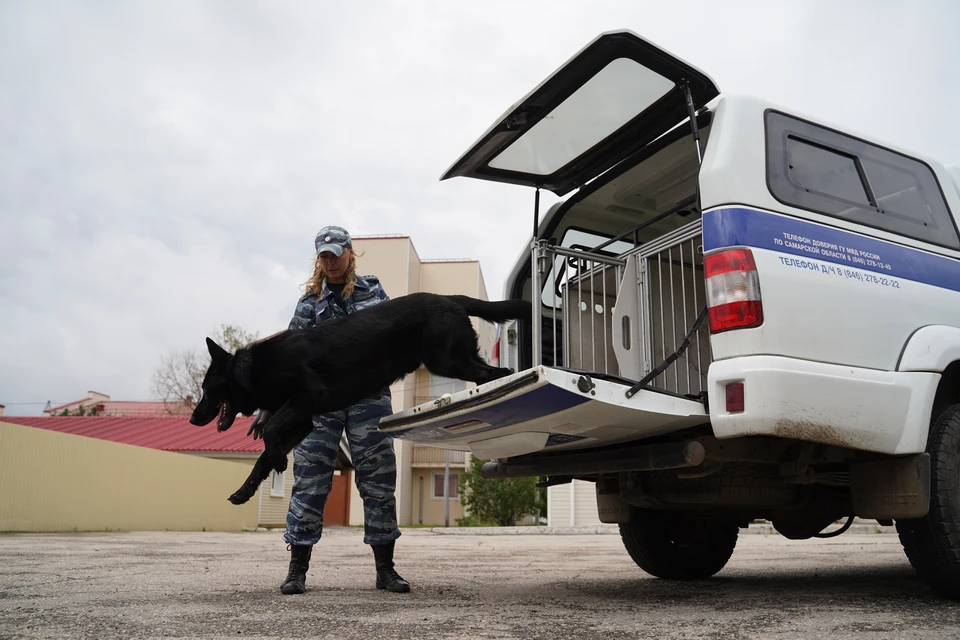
333	239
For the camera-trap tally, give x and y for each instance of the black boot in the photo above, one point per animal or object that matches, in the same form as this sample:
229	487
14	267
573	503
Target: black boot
387	577
296	581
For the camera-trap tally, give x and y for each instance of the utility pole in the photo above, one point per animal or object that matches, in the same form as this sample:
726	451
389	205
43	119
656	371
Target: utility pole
446	487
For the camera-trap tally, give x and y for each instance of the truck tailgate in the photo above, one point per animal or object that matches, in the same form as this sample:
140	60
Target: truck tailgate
542	407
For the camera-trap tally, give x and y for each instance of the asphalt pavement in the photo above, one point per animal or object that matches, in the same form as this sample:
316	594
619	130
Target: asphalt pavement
220	585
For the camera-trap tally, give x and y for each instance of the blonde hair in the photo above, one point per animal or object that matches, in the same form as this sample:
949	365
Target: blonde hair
314	285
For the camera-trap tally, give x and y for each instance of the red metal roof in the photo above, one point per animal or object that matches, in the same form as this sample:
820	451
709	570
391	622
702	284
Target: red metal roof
167	433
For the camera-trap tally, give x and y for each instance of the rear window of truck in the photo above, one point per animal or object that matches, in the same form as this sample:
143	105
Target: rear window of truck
821	170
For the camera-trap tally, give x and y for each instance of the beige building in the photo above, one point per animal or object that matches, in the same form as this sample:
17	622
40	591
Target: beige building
420	469
53	481
571	504
100	404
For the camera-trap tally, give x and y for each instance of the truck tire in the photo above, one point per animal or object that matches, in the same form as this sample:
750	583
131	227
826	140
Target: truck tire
932	543
676	546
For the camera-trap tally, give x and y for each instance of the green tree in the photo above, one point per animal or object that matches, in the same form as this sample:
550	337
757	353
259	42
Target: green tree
180	374
81	411
503	501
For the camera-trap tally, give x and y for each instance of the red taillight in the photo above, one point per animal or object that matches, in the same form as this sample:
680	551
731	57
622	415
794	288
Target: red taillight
496	351
736	315
735	397
733	290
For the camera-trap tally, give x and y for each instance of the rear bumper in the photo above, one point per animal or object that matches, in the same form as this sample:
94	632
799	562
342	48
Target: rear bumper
864	409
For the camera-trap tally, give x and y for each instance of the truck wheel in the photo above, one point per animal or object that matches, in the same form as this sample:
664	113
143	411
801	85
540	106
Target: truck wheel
676	546
932	543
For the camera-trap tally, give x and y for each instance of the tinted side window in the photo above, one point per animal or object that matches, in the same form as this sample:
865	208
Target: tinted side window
824	171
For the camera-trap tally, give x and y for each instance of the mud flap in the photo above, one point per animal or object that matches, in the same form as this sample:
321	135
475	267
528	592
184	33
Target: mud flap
891	489
611	508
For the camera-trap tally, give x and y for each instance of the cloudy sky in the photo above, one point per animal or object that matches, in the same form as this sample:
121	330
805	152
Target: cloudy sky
165	165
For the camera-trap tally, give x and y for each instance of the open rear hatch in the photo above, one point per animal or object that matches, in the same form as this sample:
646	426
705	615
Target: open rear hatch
543	408
617	95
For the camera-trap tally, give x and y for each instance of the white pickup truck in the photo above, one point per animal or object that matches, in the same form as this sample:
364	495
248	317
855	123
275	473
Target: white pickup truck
743	313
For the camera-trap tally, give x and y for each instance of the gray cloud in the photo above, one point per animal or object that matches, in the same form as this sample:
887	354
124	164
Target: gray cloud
166	165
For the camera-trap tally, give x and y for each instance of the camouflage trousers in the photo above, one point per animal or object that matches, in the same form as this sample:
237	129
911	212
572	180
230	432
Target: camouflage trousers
374	464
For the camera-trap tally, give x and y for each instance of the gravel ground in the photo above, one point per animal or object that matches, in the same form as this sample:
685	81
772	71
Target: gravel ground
219	585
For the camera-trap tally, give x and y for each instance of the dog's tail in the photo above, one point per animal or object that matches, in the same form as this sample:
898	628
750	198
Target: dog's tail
493	311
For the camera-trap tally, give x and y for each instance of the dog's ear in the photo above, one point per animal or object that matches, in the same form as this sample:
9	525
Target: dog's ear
216	351
242	364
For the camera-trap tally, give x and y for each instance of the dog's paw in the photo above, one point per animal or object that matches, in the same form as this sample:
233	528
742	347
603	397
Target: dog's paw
240	497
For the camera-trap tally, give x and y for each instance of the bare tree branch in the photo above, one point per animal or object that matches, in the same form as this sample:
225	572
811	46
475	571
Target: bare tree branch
179	377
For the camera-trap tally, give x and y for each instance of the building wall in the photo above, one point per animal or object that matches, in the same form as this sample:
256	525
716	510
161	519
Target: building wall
450	277
414	272
433	510
273	509
585	507
389	259
464	278
61	482
572	504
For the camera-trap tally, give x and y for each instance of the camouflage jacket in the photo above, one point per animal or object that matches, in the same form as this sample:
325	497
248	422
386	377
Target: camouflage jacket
312	310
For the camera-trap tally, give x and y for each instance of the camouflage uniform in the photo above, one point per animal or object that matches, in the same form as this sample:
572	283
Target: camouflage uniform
371	450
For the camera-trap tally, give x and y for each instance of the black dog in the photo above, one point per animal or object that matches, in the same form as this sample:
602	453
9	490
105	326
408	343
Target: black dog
295	375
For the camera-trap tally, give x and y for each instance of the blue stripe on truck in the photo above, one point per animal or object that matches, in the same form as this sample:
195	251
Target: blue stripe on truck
740	226
540	402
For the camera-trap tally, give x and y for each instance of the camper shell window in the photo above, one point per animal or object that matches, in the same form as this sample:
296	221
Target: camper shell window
821	170
603	105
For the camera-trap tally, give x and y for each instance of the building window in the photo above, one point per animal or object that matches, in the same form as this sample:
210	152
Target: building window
276	484
438	485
